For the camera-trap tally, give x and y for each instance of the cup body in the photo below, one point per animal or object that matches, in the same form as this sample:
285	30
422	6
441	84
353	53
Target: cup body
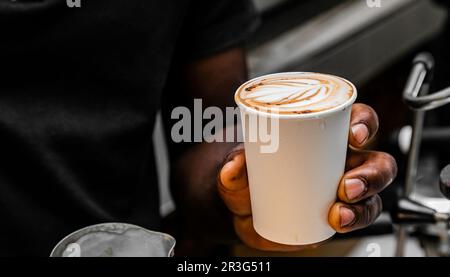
293	187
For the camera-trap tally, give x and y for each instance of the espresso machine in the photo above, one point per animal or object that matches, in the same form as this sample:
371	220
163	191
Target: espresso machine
422	209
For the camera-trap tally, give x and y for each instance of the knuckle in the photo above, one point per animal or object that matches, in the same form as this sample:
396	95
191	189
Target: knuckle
374	177
375	119
392	164
383	167
389	165
378	207
370	118
373	207
379	203
367	218
387	158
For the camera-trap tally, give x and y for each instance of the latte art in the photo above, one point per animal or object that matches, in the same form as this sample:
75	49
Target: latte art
295	93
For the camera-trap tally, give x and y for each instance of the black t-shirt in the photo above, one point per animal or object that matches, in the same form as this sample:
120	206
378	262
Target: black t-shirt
79	90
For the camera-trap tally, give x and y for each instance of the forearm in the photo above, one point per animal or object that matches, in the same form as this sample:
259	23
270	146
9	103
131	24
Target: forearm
195	166
203	214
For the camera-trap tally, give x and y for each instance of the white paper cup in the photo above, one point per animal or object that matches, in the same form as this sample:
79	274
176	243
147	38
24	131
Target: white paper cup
293	188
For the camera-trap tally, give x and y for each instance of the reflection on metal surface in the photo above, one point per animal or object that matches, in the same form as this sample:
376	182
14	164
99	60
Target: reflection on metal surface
351	40
115	240
263	5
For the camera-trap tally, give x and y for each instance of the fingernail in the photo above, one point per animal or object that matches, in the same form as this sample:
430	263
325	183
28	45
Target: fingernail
360	133
354	188
347	216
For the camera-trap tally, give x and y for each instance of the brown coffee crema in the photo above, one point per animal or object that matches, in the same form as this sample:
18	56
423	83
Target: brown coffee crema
295	93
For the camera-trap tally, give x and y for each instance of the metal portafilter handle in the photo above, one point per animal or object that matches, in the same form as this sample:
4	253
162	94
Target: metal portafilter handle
422	67
408	212
416	95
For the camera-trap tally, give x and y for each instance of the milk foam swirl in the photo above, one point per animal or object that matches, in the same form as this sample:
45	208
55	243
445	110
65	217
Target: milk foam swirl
295	93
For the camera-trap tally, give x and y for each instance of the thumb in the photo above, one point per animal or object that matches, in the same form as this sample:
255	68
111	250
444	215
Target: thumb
233	184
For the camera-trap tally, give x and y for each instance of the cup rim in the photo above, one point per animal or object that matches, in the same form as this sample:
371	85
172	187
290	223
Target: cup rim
314	115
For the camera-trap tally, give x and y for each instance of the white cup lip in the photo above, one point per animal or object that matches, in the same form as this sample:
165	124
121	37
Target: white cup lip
315	115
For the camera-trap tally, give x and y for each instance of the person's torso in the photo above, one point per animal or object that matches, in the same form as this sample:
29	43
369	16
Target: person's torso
79	89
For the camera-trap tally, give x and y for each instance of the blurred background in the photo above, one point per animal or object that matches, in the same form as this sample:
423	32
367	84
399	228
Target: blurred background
372	43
